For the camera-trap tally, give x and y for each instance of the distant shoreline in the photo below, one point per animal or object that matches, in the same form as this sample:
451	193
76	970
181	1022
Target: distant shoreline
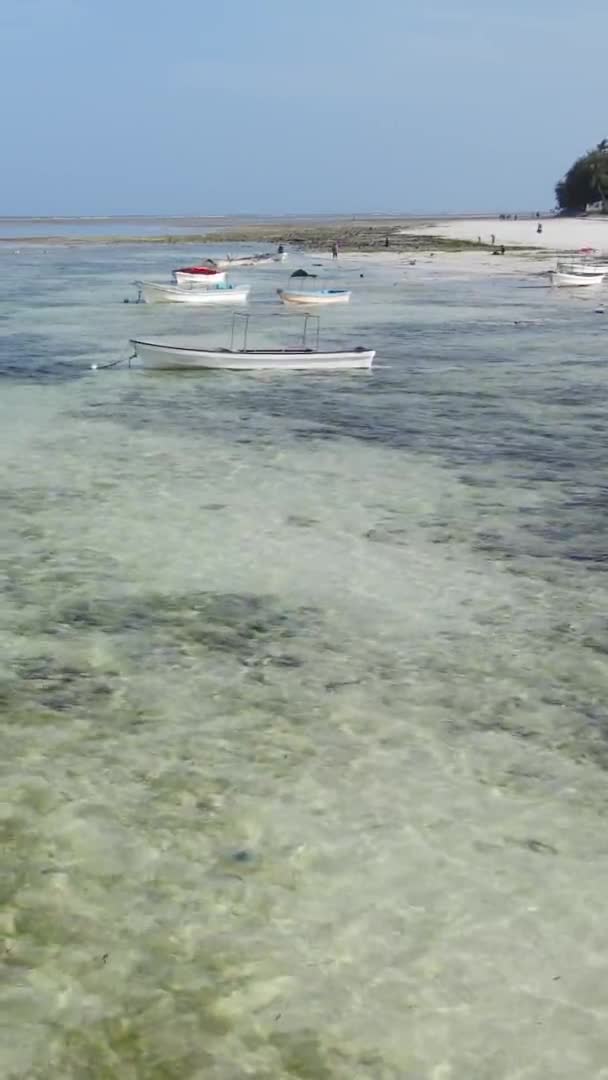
355	234
351	234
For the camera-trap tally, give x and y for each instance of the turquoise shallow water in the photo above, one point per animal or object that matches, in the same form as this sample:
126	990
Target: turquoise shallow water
303	686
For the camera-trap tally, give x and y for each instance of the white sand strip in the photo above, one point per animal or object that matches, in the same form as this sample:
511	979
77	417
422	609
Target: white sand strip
559	234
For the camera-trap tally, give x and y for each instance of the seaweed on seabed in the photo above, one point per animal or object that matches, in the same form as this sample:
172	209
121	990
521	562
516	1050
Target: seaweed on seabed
236	623
42	686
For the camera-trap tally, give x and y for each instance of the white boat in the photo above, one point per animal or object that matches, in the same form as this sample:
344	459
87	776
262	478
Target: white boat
302	295
586	268
239	261
153	292
314	296
200	277
187	354
561	277
184	355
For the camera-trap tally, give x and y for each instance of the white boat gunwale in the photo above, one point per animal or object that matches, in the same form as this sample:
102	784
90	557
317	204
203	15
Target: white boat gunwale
581	271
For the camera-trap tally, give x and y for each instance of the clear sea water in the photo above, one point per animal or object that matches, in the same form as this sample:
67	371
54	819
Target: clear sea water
303	685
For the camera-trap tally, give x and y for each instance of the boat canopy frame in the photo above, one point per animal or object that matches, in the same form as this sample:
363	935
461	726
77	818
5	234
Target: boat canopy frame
245	316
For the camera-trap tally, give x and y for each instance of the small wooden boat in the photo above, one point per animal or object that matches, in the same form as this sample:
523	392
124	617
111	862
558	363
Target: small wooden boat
314	296
184	355
153	292
201	276
562	277
309	297
187	354
239	262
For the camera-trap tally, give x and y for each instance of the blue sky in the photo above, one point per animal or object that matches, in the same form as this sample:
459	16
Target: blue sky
277	106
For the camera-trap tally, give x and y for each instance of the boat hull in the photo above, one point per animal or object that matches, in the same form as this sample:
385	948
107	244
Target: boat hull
199	281
247	261
338	296
154	293
164	356
559	277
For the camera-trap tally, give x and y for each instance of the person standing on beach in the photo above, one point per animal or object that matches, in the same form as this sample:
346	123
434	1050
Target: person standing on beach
334	250
493	239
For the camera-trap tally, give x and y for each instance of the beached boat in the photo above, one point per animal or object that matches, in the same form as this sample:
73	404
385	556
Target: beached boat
314	296
239	262
183	355
561	277
301	294
153	292
187	354
200	276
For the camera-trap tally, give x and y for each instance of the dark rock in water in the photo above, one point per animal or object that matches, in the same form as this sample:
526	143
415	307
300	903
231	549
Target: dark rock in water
338	684
540	847
387	535
285	660
301	520
242	856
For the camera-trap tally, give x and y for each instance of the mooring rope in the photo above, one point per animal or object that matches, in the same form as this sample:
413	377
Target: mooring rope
104	367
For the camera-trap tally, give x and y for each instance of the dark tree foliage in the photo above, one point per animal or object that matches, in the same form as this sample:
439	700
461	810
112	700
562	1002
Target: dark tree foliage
586	181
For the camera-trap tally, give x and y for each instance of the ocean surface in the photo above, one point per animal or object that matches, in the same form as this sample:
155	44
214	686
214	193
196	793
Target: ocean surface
303	684
83	228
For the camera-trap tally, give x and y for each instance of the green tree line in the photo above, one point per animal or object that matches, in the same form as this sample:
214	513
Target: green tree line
586	181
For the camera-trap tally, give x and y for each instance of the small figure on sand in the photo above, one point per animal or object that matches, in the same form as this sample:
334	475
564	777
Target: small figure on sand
387	241
493	240
280	250
334	250
539	228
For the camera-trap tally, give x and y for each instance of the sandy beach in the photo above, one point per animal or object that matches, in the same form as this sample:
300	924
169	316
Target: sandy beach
559	234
